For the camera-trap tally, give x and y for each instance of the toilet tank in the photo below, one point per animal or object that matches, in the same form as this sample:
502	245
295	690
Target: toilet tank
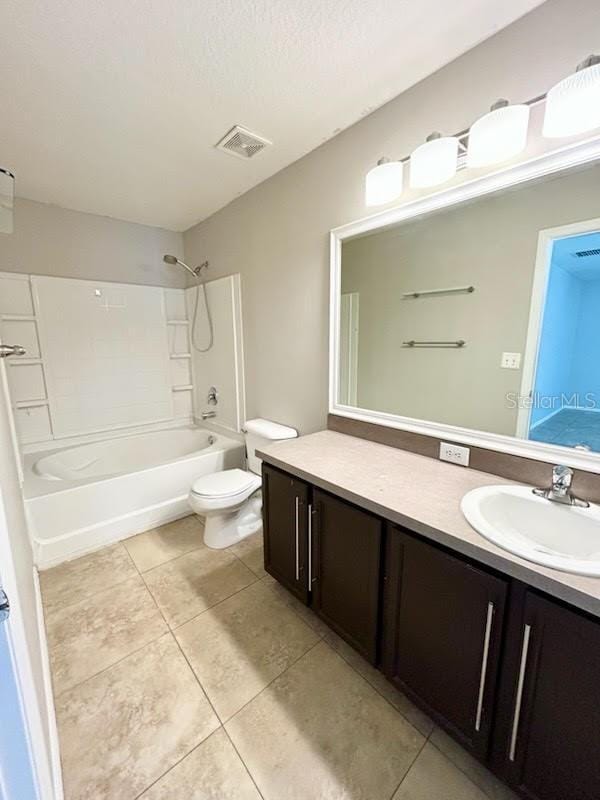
259	434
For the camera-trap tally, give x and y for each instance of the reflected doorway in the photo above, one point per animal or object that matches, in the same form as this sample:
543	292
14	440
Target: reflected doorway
564	398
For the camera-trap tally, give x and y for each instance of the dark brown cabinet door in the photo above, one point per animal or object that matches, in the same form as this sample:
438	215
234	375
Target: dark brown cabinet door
346	564
553	745
443	621
285	523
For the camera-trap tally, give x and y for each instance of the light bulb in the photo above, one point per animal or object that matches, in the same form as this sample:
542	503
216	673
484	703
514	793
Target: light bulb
434	162
499	135
573	105
383	183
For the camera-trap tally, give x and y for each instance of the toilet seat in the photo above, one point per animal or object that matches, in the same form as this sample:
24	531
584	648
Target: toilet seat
226	485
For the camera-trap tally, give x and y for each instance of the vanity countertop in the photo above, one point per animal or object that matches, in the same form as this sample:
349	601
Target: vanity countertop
422	494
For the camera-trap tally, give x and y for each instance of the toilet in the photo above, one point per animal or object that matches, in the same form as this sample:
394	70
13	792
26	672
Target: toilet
231	500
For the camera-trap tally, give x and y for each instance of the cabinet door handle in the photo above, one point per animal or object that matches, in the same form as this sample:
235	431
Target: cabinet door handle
297	505
484	664
310	513
519	697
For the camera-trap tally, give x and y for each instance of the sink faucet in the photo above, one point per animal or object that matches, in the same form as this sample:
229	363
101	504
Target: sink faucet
560	491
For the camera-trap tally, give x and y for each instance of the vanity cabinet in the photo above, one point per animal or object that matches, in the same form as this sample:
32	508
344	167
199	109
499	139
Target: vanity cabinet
553	741
328	553
443	625
346	548
512	674
285	523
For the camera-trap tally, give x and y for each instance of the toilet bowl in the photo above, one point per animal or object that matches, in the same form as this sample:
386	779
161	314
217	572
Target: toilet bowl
223	498
231	500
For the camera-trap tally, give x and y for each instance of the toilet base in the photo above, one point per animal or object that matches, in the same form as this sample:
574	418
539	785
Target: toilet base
224	529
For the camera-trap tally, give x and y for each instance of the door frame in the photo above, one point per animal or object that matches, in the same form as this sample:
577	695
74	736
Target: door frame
541	275
45	759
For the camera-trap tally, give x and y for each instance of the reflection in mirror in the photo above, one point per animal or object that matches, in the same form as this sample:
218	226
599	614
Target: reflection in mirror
485	315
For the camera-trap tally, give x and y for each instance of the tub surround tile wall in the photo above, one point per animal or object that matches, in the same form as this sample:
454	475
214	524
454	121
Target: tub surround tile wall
100	356
105	354
223	365
421	493
26	374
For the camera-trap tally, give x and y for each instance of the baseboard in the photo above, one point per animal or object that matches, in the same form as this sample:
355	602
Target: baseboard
54	754
546	418
50	552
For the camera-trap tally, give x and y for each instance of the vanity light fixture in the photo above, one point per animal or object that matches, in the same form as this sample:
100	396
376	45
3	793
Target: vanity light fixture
7	196
572	108
573	104
384	182
498	135
434	162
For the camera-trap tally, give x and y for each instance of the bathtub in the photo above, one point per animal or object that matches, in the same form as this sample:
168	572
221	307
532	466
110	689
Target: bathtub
84	497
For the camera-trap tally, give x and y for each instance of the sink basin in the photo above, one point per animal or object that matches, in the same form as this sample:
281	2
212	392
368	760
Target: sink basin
547	533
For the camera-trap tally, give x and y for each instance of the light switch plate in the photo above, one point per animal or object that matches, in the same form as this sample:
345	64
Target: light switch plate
455	453
511	361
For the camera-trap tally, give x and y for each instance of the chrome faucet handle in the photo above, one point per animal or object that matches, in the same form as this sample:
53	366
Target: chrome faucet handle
560	491
562	478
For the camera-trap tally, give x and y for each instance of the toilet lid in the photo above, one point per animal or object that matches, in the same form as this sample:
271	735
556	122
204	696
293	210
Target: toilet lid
226	483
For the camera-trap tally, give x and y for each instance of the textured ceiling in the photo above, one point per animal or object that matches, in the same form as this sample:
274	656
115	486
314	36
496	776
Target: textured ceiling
113	106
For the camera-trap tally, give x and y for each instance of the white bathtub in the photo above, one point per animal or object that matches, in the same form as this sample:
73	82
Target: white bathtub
81	498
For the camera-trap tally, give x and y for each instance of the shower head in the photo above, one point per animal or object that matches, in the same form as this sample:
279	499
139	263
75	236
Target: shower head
173	260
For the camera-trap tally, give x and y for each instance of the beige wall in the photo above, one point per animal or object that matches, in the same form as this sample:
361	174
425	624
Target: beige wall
276	235
49	240
490	244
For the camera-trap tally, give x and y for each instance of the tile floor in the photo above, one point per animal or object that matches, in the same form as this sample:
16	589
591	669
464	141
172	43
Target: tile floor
183	673
571	427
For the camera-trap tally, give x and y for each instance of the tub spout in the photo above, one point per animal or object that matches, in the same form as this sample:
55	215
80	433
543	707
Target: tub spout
208	414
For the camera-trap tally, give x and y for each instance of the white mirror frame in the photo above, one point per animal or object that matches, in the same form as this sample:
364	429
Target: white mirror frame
558	161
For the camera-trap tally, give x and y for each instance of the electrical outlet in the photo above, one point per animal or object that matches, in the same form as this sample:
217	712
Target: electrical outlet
511	361
455	454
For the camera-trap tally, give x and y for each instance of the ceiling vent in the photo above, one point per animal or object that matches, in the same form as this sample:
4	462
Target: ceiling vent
242	143
585	253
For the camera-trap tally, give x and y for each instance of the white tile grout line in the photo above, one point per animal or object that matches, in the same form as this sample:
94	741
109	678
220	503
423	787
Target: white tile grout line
208	700
151	641
81	599
171	631
110	666
221	725
466	774
412	763
321	636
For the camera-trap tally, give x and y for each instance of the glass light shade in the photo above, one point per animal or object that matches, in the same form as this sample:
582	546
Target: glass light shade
7	191
573	105
384	183
498	136
434	162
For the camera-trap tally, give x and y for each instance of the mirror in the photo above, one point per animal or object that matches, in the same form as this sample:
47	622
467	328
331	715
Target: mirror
483	315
